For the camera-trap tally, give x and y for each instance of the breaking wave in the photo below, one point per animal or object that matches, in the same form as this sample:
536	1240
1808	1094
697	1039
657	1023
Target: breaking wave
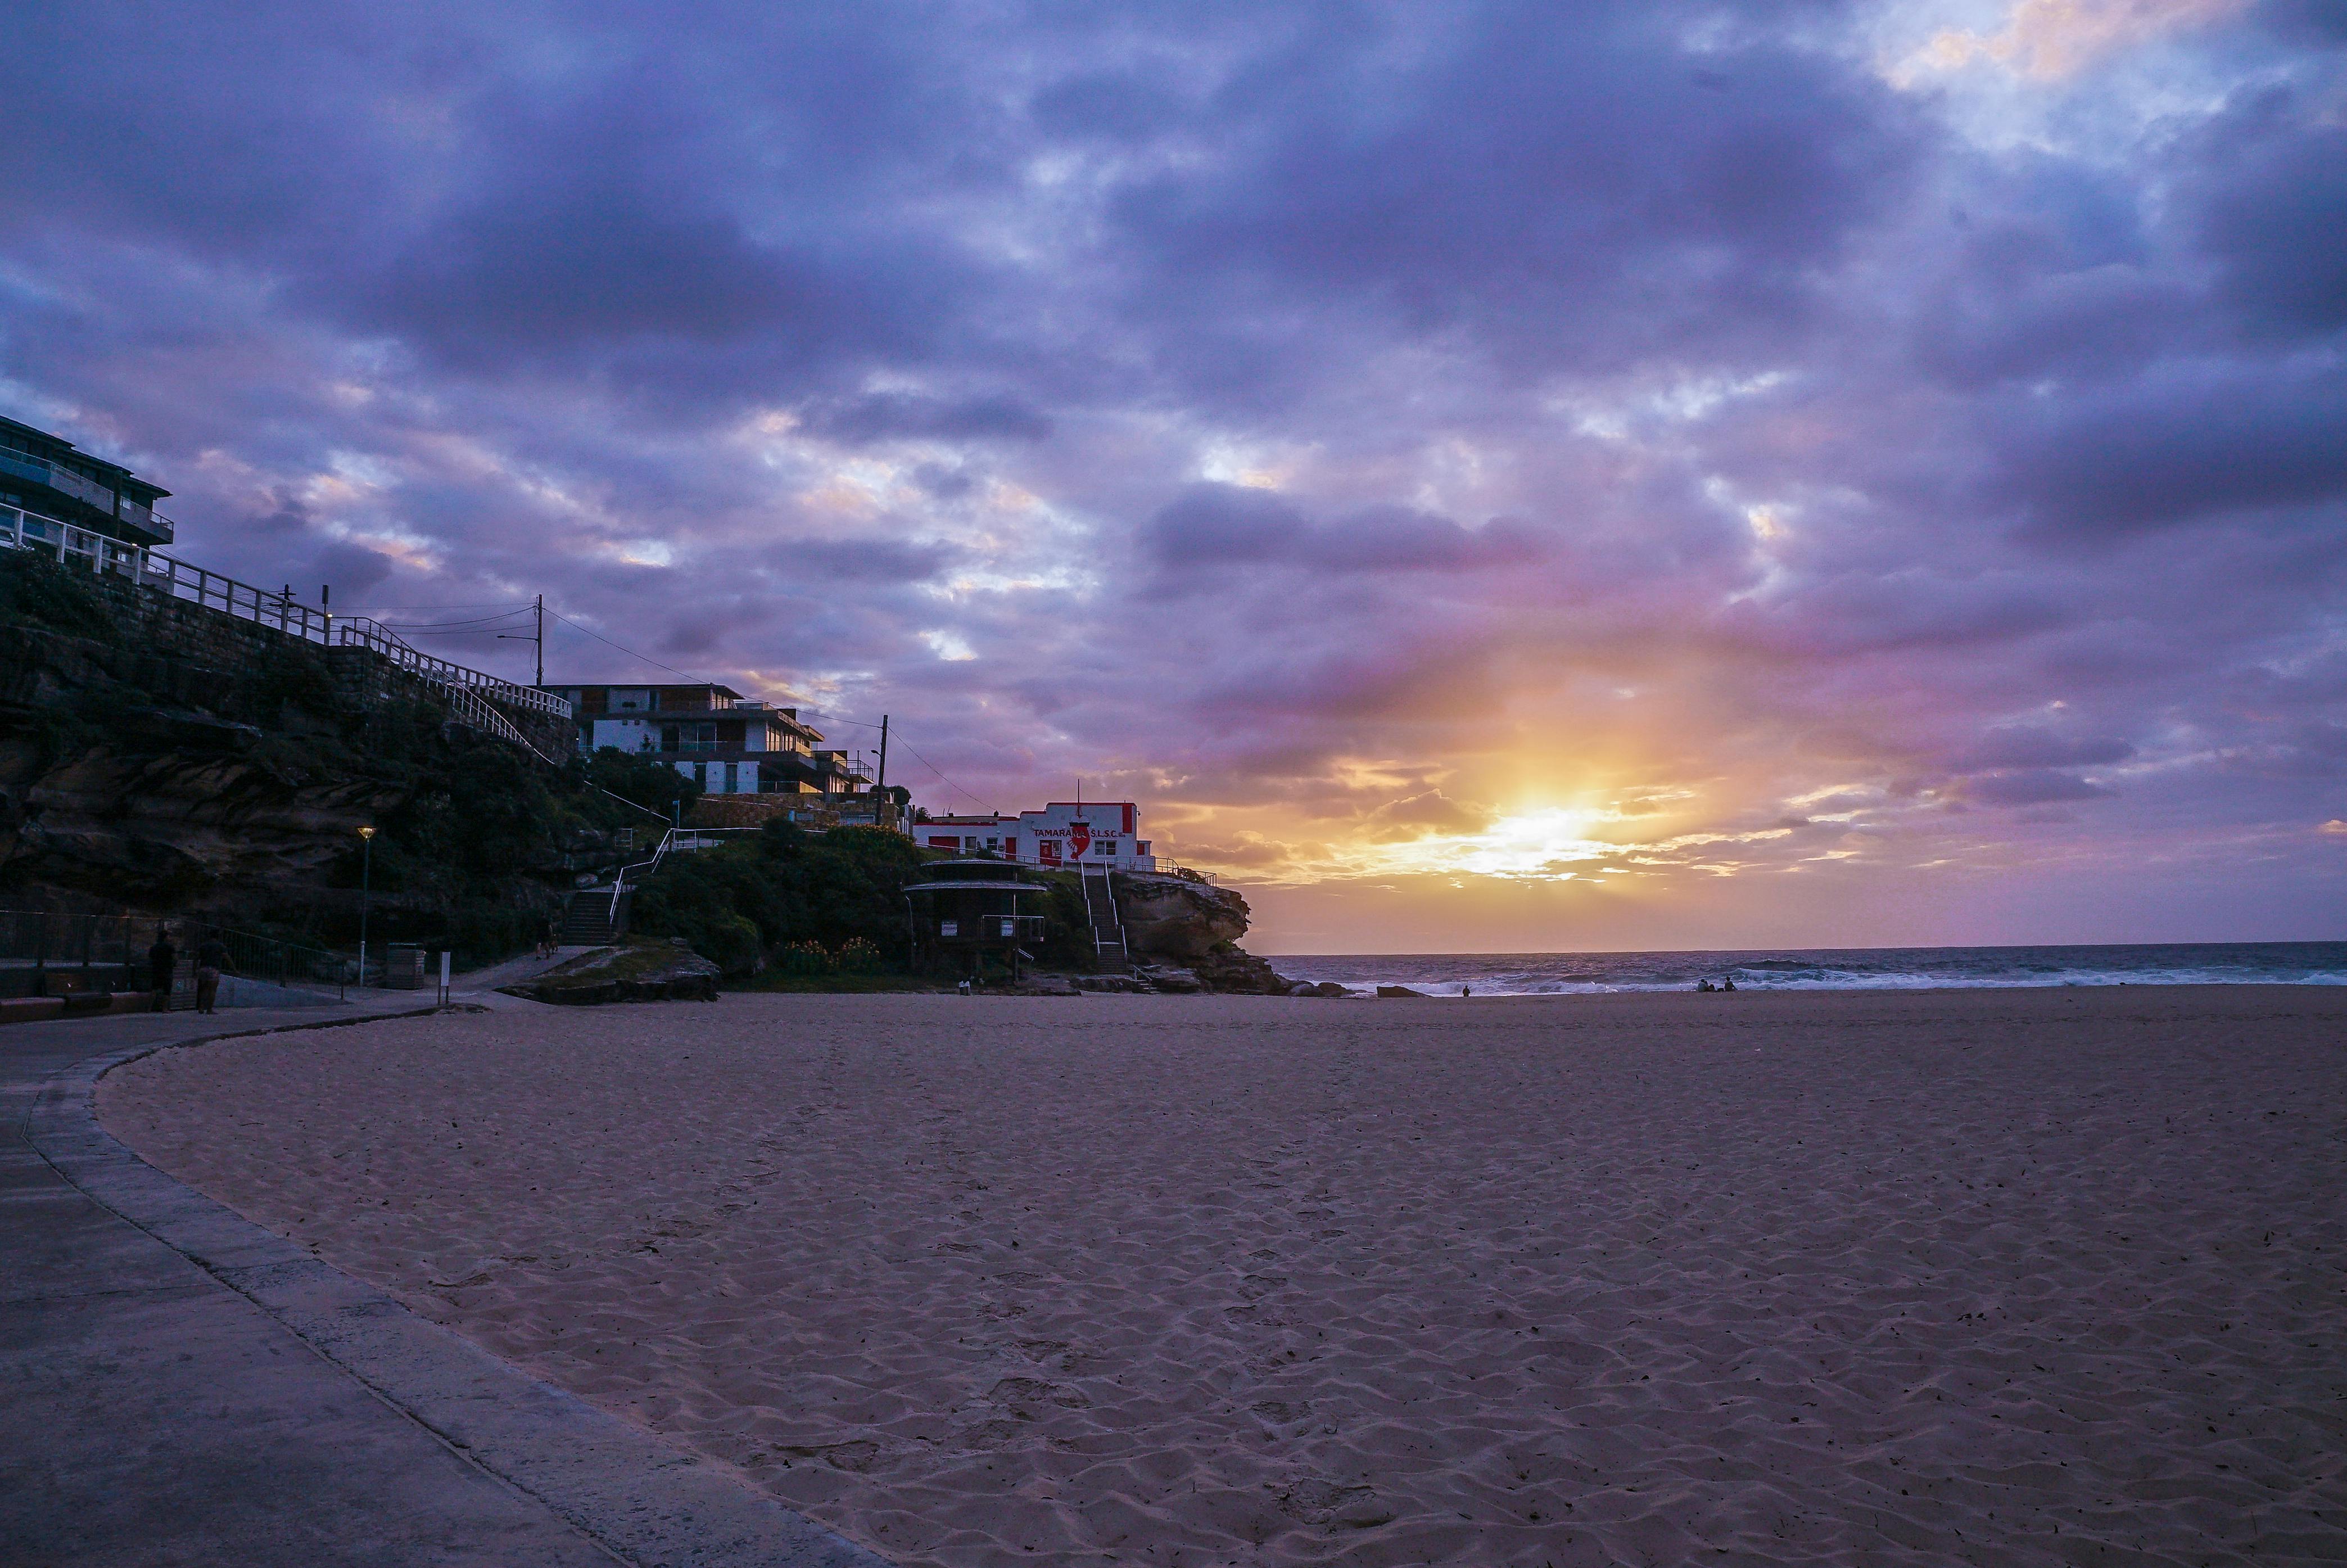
1838	969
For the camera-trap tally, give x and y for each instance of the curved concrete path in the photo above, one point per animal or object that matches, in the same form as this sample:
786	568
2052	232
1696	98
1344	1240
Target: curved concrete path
178	1386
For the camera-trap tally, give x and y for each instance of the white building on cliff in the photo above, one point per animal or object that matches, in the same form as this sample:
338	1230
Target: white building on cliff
1063	834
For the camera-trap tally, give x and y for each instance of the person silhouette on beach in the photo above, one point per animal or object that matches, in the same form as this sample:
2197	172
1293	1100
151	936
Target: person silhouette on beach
1727	983
162	959
1704	986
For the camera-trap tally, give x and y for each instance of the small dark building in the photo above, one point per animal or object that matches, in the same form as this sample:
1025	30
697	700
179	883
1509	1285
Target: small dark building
969	910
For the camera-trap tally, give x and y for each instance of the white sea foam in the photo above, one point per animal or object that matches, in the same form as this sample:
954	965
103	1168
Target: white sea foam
1909	969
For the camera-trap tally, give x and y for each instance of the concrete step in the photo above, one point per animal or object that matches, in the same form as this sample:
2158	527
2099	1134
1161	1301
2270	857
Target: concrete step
587	920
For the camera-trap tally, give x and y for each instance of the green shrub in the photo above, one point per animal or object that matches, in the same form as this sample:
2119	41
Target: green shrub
647	781
838	894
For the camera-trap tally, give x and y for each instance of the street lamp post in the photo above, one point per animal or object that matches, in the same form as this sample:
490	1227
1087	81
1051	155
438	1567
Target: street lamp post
366	880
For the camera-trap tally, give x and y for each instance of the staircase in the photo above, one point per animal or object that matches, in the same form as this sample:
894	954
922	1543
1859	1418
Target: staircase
587	923
1100	903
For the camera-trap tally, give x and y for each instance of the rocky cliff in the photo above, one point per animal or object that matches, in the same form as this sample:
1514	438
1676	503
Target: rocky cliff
1183	935
157	757
1174	918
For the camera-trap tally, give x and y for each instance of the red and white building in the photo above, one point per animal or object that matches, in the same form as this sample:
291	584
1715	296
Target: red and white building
1063	834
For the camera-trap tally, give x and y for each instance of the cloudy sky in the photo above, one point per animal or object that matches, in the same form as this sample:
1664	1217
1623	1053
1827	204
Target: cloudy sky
1484	476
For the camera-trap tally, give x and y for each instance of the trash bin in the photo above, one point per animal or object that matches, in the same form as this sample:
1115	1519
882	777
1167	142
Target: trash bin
402	967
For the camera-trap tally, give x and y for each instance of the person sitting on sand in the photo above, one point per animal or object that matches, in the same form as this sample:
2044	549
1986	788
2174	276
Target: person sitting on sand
1727	982
1704	986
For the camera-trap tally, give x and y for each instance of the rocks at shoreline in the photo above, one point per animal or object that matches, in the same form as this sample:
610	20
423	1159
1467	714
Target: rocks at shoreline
1228	971
1170	978
1233	971
638	972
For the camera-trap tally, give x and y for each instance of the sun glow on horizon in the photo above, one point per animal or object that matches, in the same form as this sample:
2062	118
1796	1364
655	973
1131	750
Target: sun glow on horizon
1548	844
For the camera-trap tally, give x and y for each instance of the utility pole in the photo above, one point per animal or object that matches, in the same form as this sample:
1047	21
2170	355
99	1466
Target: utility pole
537	637
367	879
882	782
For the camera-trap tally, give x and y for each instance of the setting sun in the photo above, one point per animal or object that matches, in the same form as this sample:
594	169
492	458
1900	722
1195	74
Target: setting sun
1548	844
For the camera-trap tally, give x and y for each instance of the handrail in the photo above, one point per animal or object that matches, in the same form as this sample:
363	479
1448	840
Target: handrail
363	632
678	839
470	693
1108	892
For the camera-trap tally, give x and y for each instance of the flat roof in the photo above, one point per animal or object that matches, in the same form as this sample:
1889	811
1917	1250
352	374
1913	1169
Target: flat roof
42	443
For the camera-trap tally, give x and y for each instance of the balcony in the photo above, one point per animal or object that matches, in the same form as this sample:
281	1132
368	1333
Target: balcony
90	493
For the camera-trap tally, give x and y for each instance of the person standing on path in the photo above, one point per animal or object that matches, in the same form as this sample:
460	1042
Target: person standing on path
212	958
162	959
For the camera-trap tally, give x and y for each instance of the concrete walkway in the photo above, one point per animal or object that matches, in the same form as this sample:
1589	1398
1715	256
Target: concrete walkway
178	1386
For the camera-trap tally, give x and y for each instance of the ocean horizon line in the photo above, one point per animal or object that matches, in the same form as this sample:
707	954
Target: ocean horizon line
2001	967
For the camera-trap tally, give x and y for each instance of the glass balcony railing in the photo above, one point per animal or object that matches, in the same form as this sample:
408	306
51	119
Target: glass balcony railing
41	471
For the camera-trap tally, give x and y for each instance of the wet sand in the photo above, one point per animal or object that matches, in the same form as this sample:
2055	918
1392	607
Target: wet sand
2013	1277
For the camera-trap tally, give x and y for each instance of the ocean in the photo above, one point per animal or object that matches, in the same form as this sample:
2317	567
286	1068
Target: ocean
1832	968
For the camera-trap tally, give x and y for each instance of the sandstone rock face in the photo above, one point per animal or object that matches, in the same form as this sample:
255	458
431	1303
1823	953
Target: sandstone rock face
156	756
1171	979
639	973
1169	916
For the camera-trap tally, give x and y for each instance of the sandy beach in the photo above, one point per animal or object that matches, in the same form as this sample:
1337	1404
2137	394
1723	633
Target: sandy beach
2008	1277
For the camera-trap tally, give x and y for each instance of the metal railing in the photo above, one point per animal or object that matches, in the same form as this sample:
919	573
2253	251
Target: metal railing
361	631
1108	926
280	963
675	841
112	953
108	952
470	693
1133	865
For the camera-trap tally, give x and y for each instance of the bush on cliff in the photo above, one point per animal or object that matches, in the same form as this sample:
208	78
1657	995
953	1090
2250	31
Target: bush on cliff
648	781
159	758
781	885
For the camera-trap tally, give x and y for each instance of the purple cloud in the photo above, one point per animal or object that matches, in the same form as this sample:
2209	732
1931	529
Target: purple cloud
1324	425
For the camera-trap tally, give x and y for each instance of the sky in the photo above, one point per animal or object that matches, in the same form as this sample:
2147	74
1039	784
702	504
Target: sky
1482	477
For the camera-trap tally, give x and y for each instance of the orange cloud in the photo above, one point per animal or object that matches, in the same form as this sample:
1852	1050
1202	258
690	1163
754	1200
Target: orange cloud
2050	39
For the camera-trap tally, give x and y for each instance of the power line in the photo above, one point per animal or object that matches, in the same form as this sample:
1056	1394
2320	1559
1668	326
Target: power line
949	784
486	604
696	680
828	717
504	615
